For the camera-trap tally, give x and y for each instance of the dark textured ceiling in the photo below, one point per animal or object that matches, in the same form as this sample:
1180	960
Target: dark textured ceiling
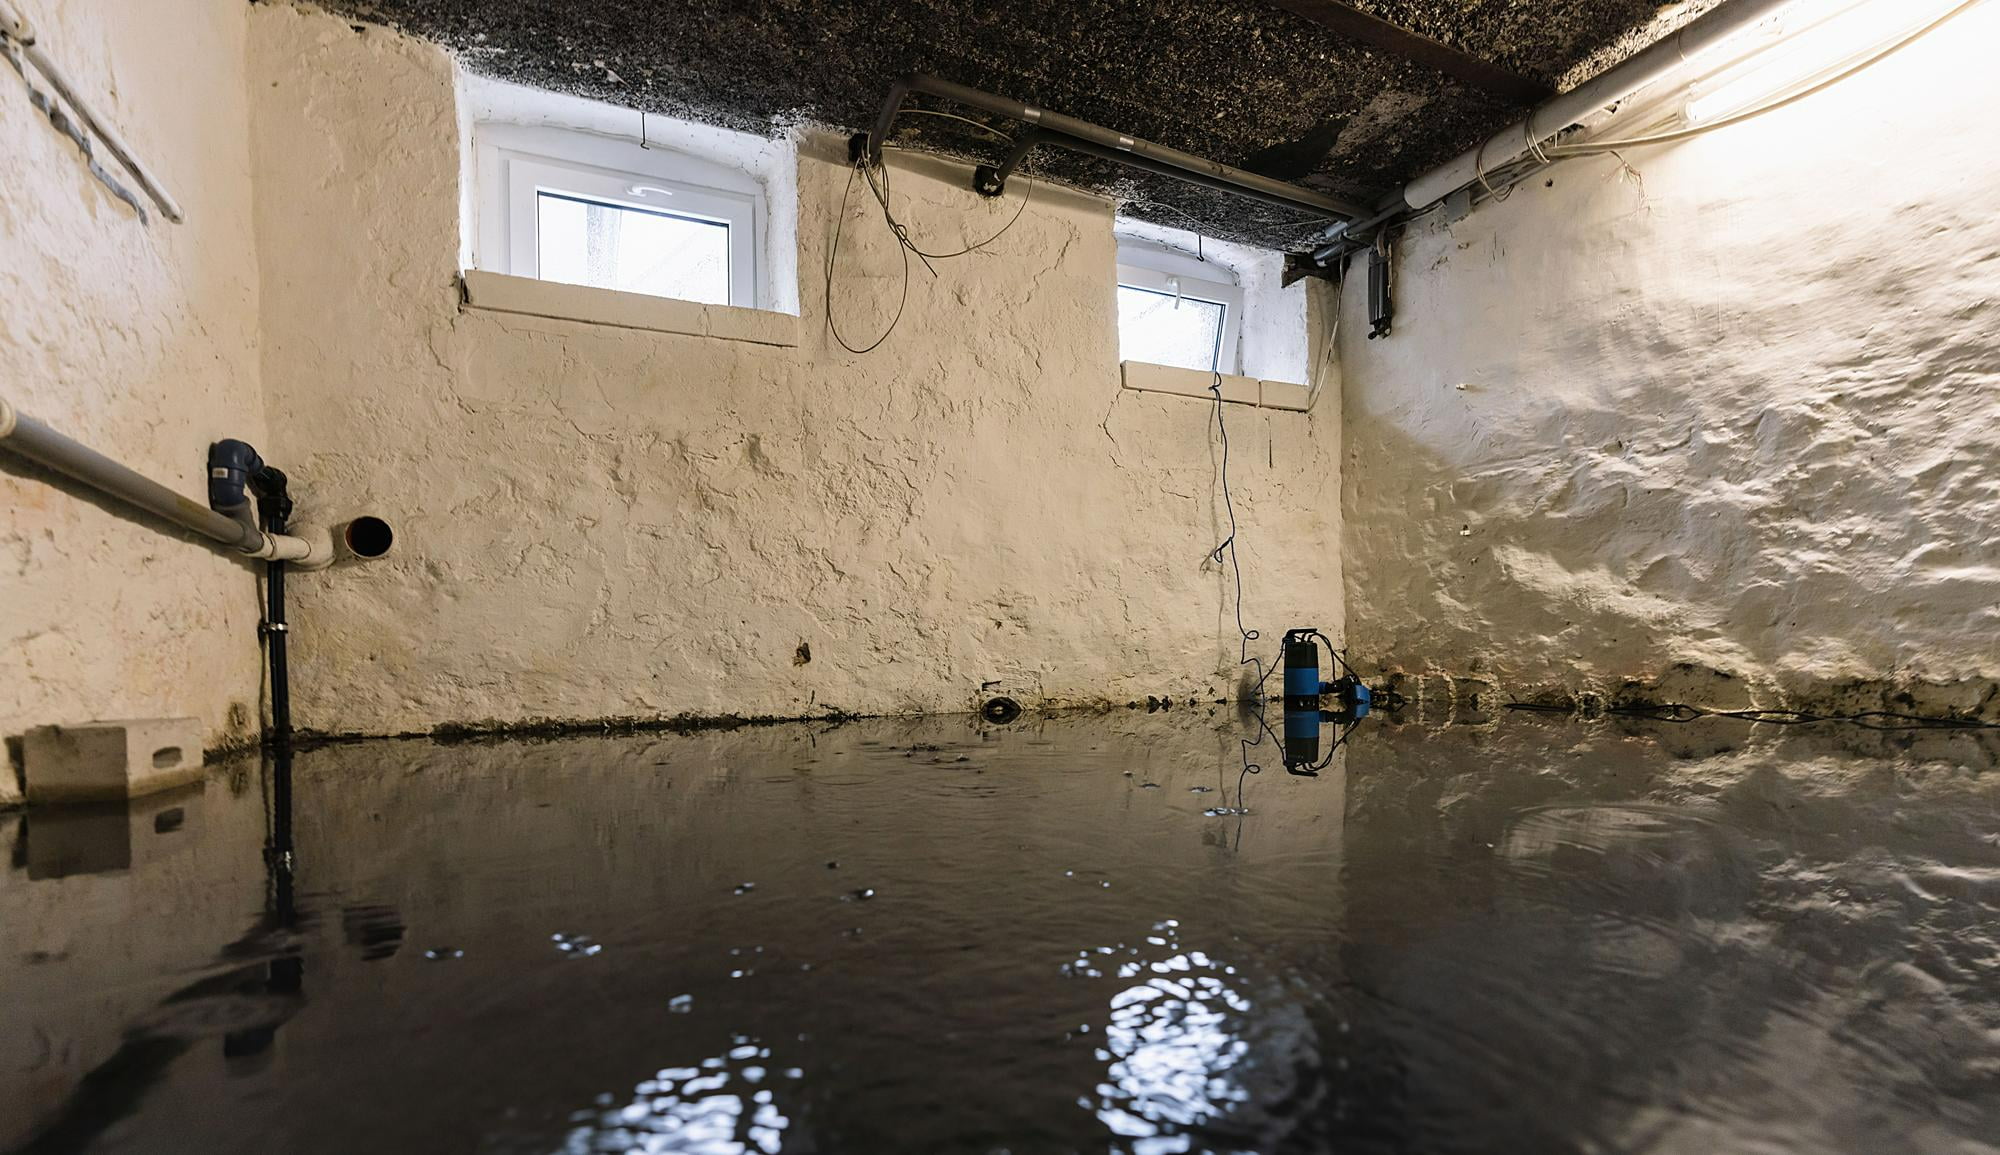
1242	81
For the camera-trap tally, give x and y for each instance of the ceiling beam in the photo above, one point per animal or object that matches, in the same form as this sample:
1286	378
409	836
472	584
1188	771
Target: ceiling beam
1376	32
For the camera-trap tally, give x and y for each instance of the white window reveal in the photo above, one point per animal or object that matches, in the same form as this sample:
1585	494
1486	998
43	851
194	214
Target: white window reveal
561	205
1176	309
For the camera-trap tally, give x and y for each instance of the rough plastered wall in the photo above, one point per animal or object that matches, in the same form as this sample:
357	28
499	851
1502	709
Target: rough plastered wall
1738	408
599	522
139	340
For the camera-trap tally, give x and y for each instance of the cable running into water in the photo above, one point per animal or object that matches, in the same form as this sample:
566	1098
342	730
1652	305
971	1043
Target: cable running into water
1244	657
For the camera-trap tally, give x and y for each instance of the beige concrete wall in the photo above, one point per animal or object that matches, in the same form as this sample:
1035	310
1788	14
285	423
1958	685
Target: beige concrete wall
1738	408
141	341
600	522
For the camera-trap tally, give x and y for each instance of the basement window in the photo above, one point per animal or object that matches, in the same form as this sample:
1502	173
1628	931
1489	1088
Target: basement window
563	205
1177	309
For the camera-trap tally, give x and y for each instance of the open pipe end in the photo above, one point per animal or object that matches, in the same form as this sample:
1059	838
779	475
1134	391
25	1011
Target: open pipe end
368	537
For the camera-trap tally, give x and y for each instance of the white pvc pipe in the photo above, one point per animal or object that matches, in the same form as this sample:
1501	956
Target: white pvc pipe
319	546
313	547
308	549
16	28
1654	63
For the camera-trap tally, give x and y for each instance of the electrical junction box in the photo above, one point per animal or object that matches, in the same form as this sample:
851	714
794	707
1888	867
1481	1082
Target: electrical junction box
110	761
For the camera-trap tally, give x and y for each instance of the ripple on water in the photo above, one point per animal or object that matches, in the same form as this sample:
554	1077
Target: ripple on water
725	1104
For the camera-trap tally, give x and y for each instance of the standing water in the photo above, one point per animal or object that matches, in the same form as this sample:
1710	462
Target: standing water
1055	936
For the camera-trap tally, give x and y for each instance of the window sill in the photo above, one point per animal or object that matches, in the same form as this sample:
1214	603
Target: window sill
1149	378
501	293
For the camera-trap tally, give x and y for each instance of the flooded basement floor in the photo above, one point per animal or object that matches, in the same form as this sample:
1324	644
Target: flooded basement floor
939	936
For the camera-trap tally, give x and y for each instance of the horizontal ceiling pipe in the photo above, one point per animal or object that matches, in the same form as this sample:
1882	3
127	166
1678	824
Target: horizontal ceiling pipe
1147	164
1117	146
1520	139
23	435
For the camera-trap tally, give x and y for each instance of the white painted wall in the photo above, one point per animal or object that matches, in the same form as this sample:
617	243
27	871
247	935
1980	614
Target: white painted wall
140	341
1740	409
598	522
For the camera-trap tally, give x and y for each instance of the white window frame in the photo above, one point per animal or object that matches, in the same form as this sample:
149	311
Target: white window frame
516	163
1159	269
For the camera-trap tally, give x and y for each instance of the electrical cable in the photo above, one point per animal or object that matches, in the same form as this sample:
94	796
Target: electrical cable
1681	712
1244	656
906	246
1264	235
1479	171
986	128
1330	360
902	231
1592	147
1550	153
833	254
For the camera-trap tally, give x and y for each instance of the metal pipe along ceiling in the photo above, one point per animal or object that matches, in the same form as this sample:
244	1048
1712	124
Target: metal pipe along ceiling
1648	66
1111	145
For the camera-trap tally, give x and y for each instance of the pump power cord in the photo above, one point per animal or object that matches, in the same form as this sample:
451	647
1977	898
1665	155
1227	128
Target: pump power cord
1227	546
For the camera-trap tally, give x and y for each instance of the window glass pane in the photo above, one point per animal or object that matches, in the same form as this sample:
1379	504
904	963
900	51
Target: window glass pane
1167	330
583	242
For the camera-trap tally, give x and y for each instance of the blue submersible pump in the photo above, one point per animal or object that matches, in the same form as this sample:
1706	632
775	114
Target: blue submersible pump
1305	718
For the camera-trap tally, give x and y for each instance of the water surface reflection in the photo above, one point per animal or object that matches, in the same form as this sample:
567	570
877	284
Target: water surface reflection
941	936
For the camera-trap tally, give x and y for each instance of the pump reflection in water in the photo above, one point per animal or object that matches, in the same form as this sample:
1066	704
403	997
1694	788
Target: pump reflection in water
1305	719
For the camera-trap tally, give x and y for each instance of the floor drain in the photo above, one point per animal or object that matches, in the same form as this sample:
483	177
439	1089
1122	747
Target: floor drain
1001	710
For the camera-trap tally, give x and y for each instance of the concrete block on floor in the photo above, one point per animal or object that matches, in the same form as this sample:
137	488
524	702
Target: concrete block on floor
110	761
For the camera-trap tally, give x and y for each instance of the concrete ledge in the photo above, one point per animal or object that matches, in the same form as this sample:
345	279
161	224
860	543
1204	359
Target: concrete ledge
1149	378
500	293
1285	395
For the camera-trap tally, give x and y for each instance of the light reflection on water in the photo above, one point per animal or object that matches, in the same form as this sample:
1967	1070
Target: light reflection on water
1170	1044
724	1105
1532	939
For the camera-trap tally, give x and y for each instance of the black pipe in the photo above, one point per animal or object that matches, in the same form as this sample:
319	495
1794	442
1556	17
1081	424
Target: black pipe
1145	154
274	638
991	180
1344	19
275	503
1381	302
1341	239
997	183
